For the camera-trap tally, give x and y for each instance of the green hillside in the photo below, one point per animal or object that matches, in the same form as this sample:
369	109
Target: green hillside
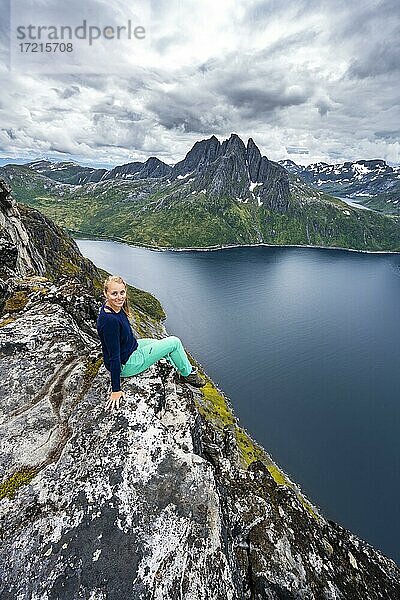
173	214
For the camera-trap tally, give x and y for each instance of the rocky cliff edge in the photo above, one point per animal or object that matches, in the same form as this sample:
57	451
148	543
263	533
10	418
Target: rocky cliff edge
166	498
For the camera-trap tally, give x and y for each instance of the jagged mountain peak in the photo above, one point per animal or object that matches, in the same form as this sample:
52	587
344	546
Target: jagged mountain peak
153	160
233	170
235	138
251	144
233	144
208	143
200	155
205	152
253	159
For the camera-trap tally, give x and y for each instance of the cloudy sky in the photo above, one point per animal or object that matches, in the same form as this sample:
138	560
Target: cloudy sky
307	80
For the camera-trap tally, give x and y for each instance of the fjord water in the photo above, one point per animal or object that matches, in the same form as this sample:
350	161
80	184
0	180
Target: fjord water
306	343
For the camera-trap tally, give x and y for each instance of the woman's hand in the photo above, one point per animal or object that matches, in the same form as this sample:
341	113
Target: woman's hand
114	400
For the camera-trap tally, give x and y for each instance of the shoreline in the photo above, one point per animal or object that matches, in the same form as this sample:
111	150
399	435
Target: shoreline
89	237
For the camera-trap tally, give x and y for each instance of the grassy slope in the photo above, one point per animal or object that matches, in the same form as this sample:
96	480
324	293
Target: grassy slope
171	216
385	202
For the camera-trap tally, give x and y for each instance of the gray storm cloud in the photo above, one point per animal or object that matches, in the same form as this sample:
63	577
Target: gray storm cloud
317	75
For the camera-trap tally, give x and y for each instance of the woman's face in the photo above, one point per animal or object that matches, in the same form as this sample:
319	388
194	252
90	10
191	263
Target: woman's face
115	295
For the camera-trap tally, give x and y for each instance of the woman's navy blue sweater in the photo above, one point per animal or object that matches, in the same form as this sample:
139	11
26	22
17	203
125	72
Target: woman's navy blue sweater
117	342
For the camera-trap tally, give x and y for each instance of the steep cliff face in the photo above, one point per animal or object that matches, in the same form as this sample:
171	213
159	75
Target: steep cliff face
32	246
167	498
18	252
36	246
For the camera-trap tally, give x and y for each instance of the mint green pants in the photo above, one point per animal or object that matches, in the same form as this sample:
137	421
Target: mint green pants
149	351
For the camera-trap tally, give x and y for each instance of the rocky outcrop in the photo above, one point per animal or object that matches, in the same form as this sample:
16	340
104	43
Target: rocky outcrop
150	501
30	243
230	170
166	498
199	157
18	254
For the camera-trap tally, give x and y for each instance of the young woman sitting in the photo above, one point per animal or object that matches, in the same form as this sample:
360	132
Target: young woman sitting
123	354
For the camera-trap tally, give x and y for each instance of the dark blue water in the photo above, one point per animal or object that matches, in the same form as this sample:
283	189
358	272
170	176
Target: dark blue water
306	343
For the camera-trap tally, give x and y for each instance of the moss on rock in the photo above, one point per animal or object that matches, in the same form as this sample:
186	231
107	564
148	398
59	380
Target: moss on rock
6	321
16	302
68	268
249	450
278	476
213	405
92	368
22	477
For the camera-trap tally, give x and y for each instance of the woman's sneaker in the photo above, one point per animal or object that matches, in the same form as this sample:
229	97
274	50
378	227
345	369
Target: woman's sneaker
193	379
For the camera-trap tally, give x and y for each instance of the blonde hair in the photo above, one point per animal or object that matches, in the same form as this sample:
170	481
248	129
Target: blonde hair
118	279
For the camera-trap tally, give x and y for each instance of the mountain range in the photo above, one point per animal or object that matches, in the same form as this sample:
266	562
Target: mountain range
221	194
372	183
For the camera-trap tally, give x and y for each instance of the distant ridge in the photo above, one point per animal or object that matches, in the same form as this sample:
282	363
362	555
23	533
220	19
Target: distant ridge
371	182
220	194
